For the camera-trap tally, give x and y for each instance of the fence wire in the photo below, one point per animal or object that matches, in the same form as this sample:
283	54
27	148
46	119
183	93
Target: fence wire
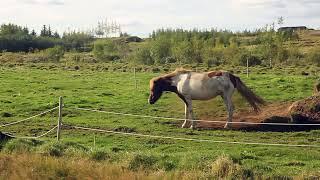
29	137
196	120
16	122
192	139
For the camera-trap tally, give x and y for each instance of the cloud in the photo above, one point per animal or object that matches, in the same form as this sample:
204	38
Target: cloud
42	2
56	2
262	3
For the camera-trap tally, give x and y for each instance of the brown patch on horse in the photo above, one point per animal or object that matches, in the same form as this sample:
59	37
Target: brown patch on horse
214	73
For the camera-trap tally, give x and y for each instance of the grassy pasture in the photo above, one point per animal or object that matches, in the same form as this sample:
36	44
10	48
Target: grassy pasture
26	91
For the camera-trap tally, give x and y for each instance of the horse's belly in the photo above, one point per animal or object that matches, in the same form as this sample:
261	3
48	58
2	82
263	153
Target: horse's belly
203	95
199	88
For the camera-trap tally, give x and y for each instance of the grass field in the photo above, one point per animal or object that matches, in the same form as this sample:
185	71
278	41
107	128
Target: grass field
26	91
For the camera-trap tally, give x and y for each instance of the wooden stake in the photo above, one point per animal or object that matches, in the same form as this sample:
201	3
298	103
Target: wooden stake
135	79
94	140
59	118
247	67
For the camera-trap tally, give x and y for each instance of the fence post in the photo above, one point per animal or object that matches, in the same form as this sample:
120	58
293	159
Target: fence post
59	118
247	67
270	61
135	79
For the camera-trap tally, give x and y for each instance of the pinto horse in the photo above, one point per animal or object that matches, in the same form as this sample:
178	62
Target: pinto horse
190	86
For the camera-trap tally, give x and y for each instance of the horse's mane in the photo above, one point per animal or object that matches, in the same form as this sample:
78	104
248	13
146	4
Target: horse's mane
176	72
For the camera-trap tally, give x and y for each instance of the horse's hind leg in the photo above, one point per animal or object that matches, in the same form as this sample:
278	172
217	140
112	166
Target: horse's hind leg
230	107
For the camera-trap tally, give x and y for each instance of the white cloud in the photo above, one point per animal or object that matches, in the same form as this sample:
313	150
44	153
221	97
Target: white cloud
43	2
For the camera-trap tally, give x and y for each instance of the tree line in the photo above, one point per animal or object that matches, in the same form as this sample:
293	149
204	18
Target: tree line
210	47
14	38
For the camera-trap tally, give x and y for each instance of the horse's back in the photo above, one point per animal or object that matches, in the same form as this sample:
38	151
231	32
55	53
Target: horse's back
202	86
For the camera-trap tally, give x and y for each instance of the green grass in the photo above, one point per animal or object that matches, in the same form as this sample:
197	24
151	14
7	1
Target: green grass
27	91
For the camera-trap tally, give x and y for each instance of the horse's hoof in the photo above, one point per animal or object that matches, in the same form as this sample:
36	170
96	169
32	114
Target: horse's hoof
226	126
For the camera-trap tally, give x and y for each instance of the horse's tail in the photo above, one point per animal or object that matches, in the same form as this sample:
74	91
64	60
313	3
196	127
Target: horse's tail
253	99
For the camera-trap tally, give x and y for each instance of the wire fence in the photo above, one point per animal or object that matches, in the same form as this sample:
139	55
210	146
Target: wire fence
192	139
30	137
59	126
196	120
26	119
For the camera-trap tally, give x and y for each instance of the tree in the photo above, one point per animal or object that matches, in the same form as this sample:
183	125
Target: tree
33	33
280	21
43	32
56	35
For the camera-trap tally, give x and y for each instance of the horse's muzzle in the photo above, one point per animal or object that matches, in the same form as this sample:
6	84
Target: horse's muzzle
150	101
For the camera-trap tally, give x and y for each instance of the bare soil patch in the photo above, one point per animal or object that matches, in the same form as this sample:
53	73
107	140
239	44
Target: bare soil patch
272	113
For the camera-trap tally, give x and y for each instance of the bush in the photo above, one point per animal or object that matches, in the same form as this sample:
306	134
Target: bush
99	154
55	53
59	149
21	145
224	168
160	49
314	56
212	56
143	56
253	60
109	50
141	161
282	55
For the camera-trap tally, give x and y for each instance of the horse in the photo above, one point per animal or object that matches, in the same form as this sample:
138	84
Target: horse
189	85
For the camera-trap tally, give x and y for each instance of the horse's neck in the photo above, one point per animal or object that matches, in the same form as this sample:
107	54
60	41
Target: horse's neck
169	85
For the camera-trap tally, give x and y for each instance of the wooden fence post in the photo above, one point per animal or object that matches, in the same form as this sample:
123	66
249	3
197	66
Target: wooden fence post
135	78
59	118
247	67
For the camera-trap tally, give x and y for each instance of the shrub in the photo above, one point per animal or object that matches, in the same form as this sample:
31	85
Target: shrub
61	148
141	161
282	55
55	53
21	145
99	154
253	60
160	49
223	167
109	50
212	56
314	56
143	56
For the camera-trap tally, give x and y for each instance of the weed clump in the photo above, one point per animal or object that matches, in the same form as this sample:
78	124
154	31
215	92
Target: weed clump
59	149
141	161
99	154
21	145
223	167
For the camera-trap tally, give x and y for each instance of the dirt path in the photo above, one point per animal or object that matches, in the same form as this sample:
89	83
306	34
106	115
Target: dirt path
275	113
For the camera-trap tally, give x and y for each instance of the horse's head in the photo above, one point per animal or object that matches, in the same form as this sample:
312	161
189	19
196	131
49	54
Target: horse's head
156	89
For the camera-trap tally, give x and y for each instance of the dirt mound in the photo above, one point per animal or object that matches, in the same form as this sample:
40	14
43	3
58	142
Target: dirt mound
316	90
272	113
306	110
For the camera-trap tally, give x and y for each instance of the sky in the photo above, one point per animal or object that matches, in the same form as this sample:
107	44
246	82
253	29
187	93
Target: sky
140	17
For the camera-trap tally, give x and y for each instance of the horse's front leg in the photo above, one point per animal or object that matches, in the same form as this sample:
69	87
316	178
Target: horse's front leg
191	116
186	113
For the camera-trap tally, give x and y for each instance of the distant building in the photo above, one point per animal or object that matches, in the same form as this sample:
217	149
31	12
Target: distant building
293	28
